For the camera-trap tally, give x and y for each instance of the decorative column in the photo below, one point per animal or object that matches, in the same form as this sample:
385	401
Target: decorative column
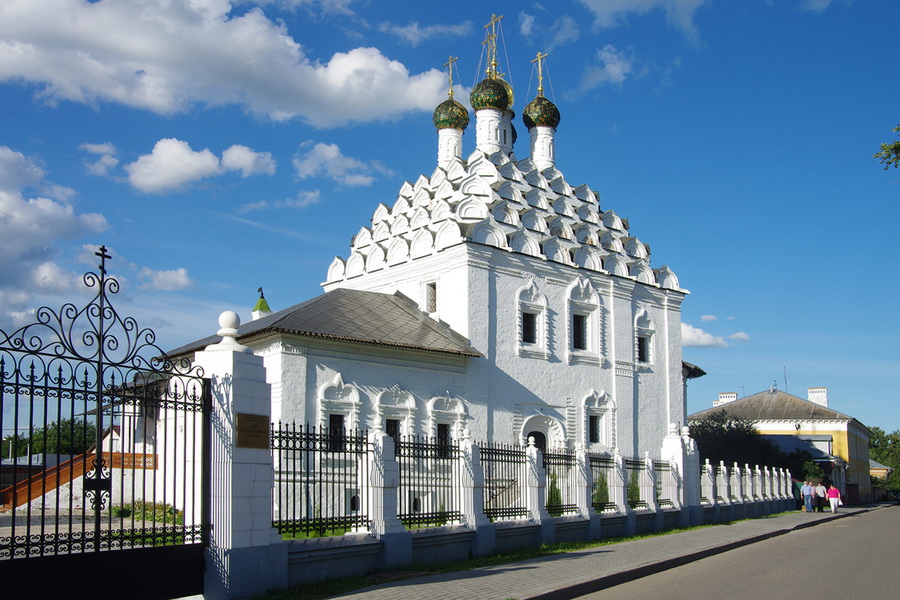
246	555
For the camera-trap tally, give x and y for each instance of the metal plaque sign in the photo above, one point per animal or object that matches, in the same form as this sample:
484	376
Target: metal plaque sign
252	431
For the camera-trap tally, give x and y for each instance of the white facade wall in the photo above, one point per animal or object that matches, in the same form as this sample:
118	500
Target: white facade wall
551	387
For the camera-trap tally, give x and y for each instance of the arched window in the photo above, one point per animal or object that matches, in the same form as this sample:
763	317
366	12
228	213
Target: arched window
584	318
532	327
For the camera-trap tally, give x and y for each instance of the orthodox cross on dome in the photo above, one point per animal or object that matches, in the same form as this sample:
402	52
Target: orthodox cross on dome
490	39
449	65
540	61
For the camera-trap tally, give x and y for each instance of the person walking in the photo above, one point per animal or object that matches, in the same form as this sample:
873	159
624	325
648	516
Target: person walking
834	498
820	490
807	491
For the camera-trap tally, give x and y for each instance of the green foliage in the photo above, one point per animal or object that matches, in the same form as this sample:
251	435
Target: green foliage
811	470
634	491
721	437
66	436
885	448
554	497
148	511
889	156
601	491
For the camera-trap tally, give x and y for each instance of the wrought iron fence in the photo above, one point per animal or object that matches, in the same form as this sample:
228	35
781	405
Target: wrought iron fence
430	481
561	483
635	494
504	481
108	437
603	473
665	484
321	481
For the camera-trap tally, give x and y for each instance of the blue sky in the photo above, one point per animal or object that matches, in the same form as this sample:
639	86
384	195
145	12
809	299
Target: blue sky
217	146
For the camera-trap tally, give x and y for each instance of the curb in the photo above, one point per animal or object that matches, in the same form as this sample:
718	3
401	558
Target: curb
613	579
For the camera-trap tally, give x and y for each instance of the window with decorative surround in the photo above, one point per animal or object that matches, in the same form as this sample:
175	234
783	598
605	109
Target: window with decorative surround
584	323
531	326
643	340
598	422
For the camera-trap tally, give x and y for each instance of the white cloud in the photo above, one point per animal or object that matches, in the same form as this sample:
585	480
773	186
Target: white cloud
243	159
695	337
167	281
679	13
816	5
31	229
526	24
171	166
707	318
414	34
613	68
107	158
133	53
740	335
301	200
327	160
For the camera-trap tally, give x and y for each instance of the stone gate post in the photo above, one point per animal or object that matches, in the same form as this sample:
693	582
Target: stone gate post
246	555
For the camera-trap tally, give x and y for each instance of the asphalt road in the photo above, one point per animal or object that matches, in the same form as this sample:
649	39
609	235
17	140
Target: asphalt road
853	557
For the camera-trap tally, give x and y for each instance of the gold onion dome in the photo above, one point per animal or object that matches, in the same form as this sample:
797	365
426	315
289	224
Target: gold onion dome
450	114
541	111
490	93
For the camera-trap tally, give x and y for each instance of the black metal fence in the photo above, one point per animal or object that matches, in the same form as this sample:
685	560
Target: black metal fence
665	484
603	472
635	494
504	479
108	444
430	481
321	481
562	482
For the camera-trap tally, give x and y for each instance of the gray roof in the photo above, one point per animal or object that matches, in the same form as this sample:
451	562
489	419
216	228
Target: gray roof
354	316
774	405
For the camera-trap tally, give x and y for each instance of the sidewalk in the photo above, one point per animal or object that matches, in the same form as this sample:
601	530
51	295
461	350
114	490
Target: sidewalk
572	574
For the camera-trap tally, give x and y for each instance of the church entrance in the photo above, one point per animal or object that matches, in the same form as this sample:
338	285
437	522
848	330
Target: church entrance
540	440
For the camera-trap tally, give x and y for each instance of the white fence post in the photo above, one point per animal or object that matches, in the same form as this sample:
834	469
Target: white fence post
585	494
384	477
472	498
535	493
246	555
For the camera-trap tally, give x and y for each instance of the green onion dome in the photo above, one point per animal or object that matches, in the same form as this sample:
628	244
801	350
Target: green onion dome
541	111
490	93
450	114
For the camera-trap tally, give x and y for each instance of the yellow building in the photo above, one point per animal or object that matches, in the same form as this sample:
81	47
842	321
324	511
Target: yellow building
787	419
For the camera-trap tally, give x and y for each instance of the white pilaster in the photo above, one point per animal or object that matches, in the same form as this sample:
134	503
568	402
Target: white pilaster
449	145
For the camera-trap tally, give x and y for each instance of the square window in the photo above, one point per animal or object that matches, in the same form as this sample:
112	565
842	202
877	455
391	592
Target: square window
529	328
579	332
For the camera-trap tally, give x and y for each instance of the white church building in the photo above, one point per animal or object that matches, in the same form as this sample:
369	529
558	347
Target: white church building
491	299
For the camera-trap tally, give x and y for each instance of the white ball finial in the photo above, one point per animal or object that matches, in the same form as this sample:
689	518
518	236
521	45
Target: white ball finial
229	321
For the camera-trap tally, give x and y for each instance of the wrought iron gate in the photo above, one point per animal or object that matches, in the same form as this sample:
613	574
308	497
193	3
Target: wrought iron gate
105	452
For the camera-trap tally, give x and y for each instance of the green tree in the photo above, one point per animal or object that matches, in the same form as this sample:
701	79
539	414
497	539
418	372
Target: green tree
722	437
885	448
889	155
66	436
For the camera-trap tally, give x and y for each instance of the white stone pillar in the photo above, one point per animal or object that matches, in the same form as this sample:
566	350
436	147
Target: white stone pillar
472	498
487	129
384	481
246	555
543	146
535	493
585	496
506	132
